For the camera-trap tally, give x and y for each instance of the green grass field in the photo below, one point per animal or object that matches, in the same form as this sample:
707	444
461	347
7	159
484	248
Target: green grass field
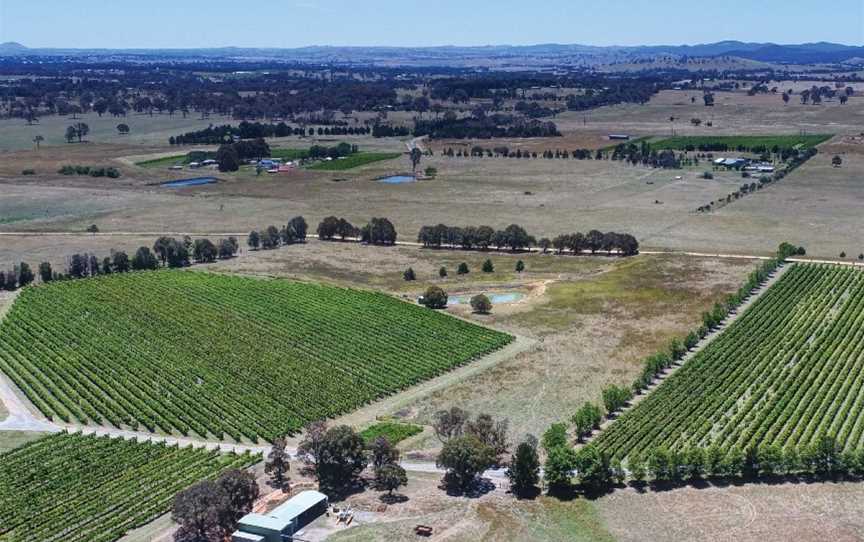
392	431
354	160
741	142
165	161
221	355
788	370
73	487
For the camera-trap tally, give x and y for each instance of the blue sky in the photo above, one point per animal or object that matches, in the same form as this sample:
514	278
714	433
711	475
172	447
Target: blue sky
295	23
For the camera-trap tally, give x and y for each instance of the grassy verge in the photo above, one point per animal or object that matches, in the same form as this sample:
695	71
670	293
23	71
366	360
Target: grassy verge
355	160
165	161
392	431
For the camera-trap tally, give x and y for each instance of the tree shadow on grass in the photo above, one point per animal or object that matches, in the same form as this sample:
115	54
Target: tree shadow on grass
480	487
395	498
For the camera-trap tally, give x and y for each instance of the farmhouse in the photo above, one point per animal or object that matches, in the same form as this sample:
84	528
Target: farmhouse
282	522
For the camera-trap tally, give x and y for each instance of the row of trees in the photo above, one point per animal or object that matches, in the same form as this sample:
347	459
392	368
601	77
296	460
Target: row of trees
596	471
166	251
378	231
593	241
272	237
513	237
505	152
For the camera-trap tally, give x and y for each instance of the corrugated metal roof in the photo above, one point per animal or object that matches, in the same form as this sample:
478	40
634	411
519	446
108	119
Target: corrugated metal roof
282	516
298	504
246	537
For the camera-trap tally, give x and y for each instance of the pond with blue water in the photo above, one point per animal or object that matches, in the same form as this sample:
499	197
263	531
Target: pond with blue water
397	179
496	299
196	181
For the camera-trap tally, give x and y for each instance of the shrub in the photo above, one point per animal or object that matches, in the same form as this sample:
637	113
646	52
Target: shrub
28	172
435	298
462	269
409	275
488	267
481	304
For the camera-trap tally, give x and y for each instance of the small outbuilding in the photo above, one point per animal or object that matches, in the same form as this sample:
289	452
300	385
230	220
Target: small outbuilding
280	524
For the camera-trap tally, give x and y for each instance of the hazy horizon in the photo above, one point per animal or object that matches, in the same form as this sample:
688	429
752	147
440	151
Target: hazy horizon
195	24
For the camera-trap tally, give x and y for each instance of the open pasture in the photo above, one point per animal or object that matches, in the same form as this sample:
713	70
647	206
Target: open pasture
784	373
16	134
94	489
219	355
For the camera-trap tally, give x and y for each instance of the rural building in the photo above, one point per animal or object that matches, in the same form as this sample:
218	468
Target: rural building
619	137
730	162
282	522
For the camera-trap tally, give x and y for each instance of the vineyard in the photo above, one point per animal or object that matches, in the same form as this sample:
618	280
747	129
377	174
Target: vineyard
178	351
73	487
789	370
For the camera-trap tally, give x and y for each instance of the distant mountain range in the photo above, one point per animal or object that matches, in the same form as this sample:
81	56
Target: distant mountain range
806	53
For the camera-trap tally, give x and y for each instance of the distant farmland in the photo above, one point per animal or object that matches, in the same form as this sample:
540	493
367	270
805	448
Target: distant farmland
72	487
787	371
188	352
740	143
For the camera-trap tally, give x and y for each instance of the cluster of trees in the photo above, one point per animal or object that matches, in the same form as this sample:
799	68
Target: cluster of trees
378	231
624	244
481	126
271	237
18	277
471	445
210	510
633	91
78	131
213	135
336	151
336	457
645	155
229	156
388	130
110	172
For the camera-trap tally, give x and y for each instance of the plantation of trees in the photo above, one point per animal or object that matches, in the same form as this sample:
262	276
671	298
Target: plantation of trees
187	352
95	489
785	376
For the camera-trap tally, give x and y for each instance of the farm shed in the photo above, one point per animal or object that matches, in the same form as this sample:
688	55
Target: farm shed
282	522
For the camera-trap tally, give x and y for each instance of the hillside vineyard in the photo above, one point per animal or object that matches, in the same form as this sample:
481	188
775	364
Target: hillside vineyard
210	354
